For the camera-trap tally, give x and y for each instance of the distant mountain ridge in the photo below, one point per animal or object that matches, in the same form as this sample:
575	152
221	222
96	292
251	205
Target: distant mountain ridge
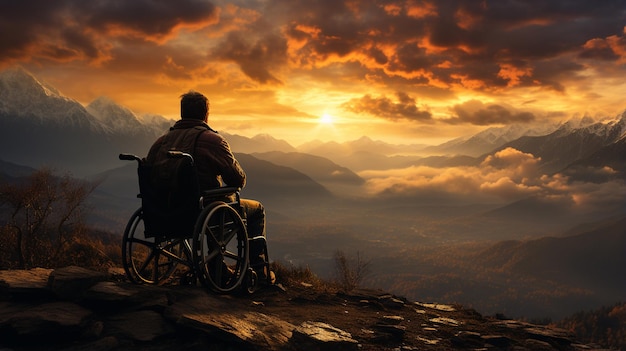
258	143
319	168
9	169
22	96
363	144
41	127
557	144
603	249
488	139
612	156
568	144
121	120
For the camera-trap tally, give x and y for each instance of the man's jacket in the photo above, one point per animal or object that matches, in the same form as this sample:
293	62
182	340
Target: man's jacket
215	163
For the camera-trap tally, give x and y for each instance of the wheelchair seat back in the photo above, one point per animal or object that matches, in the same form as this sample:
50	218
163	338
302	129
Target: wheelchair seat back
169	197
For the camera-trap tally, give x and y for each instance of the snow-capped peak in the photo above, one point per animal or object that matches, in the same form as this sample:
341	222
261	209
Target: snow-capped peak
607	128
114	117
156	123
26	84
19	88
22	95
576	123
504	134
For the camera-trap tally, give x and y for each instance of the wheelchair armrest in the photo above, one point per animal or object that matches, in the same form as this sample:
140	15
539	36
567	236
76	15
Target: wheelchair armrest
223	191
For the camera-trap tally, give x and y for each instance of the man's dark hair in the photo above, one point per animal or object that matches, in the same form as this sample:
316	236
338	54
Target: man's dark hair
194	105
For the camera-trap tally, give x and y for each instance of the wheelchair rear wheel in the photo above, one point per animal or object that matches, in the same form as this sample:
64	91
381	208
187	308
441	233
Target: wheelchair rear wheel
220	248
149	260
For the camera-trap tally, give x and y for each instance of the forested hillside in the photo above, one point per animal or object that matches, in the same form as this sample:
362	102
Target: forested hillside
605	326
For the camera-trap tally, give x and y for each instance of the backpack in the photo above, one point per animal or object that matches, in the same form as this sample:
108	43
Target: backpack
169	186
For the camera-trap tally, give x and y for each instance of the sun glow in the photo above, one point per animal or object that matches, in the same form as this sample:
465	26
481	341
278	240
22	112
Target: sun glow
326	119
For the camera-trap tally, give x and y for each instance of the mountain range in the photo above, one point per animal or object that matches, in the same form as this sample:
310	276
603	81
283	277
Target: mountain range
489	139
568	144
539	258
40	126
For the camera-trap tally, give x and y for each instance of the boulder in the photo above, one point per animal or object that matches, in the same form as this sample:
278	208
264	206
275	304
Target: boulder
71	282
24	281
217	316
322	336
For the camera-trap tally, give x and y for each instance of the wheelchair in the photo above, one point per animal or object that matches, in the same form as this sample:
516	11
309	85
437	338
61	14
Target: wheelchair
199	235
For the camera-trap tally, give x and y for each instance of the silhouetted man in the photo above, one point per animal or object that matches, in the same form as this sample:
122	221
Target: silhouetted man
215	163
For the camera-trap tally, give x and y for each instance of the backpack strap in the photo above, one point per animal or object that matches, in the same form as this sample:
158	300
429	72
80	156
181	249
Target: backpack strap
184	140
200	131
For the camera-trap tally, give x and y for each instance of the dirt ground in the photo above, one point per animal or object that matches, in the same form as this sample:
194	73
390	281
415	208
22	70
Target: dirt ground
381	321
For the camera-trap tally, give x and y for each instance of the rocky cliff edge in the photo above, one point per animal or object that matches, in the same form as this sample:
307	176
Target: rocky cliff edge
73	308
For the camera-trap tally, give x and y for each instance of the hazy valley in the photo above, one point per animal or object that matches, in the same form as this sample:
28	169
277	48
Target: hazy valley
526	222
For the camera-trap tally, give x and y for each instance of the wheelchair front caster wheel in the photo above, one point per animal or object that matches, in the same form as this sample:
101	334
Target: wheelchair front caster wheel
251	281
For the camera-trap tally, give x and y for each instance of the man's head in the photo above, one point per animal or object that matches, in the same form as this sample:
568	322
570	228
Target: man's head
194	105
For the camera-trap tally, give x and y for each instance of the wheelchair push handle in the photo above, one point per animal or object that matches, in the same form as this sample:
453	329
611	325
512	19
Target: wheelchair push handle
177	154
180	154
129	157
172	154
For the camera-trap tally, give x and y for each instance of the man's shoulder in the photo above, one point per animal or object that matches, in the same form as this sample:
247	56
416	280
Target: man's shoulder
211	136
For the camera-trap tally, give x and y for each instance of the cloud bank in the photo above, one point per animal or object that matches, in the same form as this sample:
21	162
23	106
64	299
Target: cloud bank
505	176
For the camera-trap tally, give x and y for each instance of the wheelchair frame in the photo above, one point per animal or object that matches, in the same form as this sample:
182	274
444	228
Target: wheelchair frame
216	253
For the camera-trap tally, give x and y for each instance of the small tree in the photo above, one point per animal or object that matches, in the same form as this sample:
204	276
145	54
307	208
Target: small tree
350	271
41	218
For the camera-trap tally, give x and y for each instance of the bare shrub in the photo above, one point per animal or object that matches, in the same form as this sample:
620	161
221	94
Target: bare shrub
290	275
42	222
350	271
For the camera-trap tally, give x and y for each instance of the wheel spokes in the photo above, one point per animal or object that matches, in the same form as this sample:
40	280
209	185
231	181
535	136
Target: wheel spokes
221	251
232	255
151	259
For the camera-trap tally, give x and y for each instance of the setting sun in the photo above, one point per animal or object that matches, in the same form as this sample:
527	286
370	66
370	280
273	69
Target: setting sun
326	119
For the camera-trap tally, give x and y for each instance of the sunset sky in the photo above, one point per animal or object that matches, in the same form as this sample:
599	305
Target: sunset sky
400	71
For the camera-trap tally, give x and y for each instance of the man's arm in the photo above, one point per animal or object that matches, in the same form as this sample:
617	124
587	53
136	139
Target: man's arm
231	172
215	159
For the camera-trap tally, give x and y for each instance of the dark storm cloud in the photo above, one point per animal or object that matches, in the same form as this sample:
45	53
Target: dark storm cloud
475	112
343	27
477	44
149	17
135	55
384	107
254	57
76	29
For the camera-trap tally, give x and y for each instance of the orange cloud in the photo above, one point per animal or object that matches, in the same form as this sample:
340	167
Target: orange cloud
405	108
420	9
79	30
612	48
475	112
514	74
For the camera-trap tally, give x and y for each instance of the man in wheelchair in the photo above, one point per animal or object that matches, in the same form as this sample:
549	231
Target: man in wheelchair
215	166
